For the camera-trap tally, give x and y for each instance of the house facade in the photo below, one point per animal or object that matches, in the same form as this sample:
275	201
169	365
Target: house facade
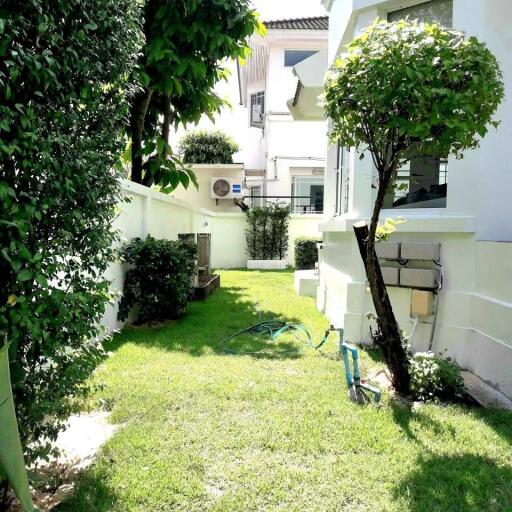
458	209
283	157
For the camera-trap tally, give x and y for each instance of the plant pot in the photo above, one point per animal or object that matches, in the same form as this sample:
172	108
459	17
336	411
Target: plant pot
266	264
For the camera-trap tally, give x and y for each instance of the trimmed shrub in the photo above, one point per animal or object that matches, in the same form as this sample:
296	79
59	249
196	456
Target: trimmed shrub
435	377
161	281
306	253
267	234
203	147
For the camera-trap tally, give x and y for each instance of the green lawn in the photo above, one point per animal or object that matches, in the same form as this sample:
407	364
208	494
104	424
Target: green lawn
208	431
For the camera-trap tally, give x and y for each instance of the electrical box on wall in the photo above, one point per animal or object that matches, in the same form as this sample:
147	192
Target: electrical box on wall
422	303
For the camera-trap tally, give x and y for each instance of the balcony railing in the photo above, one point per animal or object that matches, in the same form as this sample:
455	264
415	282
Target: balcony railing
300	204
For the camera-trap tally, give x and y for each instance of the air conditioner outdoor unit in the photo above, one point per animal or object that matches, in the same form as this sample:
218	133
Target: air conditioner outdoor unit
226	188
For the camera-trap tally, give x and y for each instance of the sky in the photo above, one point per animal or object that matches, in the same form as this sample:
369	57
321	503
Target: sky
276	9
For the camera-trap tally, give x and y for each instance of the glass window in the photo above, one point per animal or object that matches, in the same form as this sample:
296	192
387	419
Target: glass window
440	11
257	112
256	201
342	180
421	183
292	57
307	194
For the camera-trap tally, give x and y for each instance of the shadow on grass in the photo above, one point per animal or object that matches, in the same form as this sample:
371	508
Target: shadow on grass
456	483
404	416
91	493
210	321
499	420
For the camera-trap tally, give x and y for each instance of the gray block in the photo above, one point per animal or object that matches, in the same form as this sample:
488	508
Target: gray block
390	276
388	250
419	278
420	251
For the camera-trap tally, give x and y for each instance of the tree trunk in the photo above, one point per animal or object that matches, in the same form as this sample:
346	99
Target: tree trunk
390	339
148	179
138	115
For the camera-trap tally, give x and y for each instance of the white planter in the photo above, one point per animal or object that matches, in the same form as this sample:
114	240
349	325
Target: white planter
266	264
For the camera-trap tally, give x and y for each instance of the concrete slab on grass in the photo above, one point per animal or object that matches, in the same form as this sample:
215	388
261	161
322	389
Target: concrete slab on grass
305	282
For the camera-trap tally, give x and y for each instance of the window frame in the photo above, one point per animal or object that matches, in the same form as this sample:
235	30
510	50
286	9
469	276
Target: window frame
296	183
311	53
419	6
259	97
444	162
342	180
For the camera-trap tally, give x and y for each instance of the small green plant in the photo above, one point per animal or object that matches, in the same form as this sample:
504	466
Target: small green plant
267	234
203	147
435	377
159	284
306	253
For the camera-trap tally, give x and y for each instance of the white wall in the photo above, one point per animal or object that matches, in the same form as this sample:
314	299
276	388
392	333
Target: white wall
148	212
475	311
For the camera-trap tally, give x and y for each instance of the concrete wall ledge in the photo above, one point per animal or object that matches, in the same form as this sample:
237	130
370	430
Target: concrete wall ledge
414	223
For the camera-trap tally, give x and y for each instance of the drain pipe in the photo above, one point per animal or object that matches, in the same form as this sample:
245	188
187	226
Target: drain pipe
434	321
415	321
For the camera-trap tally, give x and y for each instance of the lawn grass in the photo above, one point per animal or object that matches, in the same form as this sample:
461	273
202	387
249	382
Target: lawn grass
208	431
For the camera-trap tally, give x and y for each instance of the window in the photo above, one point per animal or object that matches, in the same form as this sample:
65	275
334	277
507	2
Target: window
307	194
421	183
257	111
292	57
440	11
342	180
255	191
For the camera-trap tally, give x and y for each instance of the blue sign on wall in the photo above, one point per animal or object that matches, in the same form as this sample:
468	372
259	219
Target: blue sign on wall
237	189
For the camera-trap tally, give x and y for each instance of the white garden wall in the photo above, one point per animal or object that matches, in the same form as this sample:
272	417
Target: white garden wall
148	212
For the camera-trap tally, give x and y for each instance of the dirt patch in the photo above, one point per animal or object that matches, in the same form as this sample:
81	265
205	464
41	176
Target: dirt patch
53	481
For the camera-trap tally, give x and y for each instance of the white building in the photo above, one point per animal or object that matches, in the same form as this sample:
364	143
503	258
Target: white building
283	157
464	205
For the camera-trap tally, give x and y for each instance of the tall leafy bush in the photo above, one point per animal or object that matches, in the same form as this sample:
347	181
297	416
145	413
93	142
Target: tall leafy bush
306	253
203	147
187	44
161	280
63	70
267	232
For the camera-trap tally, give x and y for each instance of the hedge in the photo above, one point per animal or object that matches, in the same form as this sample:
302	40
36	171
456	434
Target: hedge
203	147
306	253
160	283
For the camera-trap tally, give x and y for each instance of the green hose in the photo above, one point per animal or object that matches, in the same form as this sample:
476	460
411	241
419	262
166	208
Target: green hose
273	328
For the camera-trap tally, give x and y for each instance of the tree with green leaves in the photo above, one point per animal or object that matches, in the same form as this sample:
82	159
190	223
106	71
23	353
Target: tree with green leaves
405	88
64	83
182	61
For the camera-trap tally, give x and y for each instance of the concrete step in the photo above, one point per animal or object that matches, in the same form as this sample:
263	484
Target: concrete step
483	393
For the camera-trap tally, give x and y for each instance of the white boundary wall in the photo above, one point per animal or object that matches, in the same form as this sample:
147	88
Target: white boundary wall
149	212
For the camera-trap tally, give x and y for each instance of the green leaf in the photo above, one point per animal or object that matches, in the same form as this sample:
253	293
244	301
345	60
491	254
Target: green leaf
24	275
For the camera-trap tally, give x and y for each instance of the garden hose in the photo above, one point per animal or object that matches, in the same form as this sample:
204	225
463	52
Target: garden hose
273	328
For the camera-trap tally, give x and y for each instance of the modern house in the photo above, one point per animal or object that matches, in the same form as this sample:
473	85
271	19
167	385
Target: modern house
284	157
458	213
